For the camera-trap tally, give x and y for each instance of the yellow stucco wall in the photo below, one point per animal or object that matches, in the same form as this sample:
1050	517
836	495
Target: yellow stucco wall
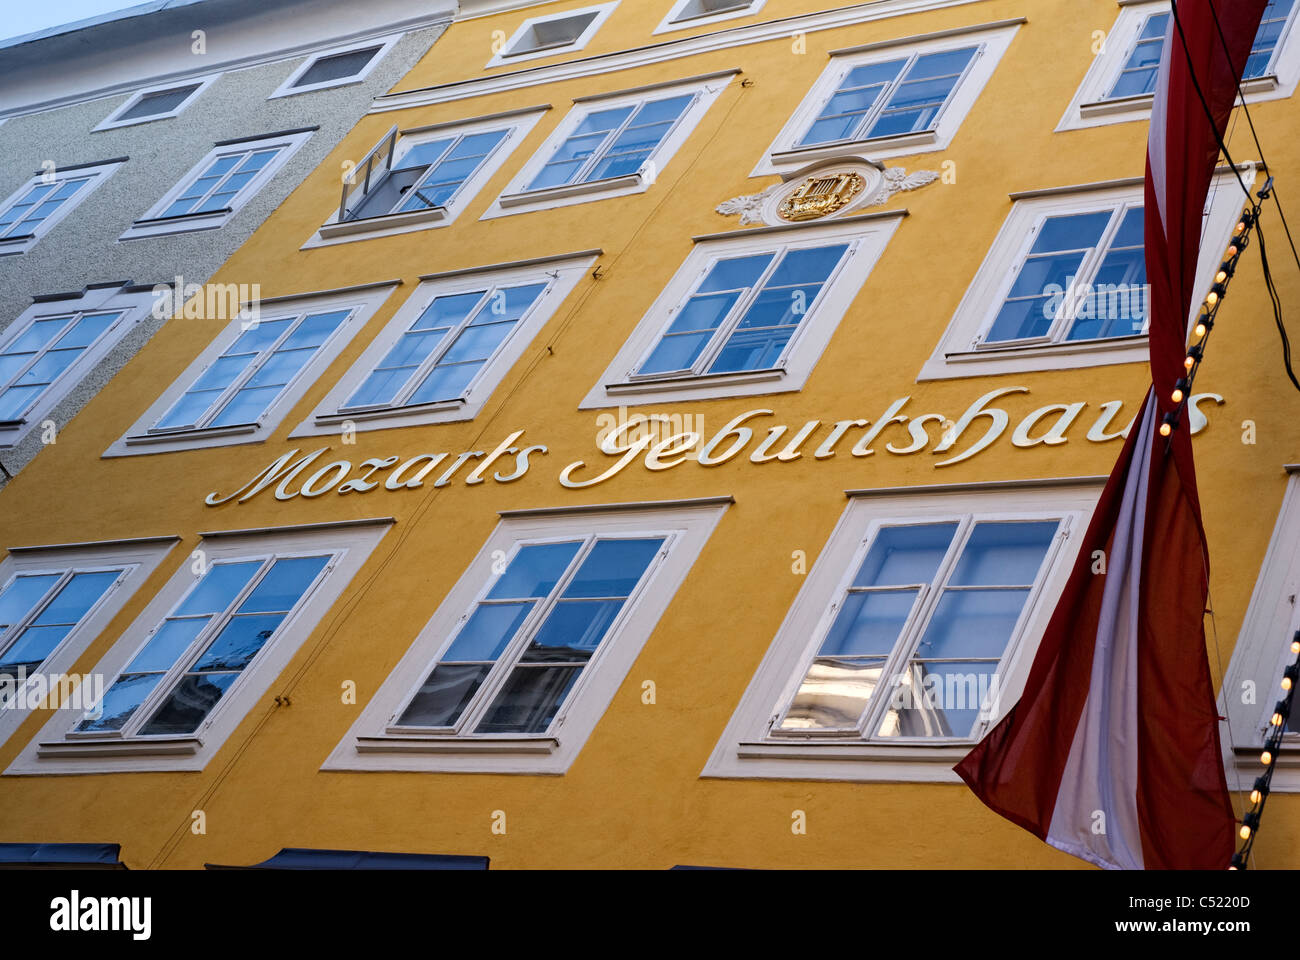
634	796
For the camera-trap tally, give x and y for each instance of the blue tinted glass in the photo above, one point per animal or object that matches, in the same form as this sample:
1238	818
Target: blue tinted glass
1004	554
167	644
77	596
218	588
21	595
284	585
735	273
488	631
868	624
1072	232
238	642
905	555
534	571
613	568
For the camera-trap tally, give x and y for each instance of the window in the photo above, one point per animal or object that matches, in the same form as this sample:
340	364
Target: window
547	35
156	103
204	650
528	649
53	344
261	364
53	602
888	99
219	185
336	68
1122	79
449	346
695	13
1263	648
1064	284
610	146
47	198
749	312
424	177
914	632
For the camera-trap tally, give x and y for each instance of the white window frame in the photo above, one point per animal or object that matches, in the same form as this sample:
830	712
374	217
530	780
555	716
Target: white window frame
369	744
748	749
960	352
95	173
57	749
138	560
679	16
505	57
287	88
113	120
134	304
560	273
517	198
1089	109
363	302
517	124
1262	652
786	156
149	225
868	236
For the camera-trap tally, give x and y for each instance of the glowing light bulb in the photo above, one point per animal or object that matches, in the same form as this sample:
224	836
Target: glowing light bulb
1266	758
1245	832
1256	796
1189	363
1220	277
1200	330
1286	683
1277	720
1233	251
1212	298
1177	396
1165	429
1295	646
1239	229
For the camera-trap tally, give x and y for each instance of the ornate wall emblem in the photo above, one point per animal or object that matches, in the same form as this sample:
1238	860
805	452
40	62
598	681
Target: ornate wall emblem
832	190
821	196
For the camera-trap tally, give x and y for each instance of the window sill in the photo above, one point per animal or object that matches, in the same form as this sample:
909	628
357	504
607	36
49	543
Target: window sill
348	228
1062	348
1105	108
196	435
81	749
803	155
945	753
548	194
385	413
14	245
668	384
509	746
186	223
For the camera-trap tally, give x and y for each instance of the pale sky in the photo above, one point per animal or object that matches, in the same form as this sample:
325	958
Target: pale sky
26	16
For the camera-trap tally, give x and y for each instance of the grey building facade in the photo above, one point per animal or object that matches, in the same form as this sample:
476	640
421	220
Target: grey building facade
147	146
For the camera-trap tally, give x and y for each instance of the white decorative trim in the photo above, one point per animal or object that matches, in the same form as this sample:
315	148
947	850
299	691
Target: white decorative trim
858	13
686	15
956	353
111	122
868	236
517	198
992	39
368	744
506	54
1088	109
364	303
149	225
133	305
1252	684
762	207
517	128
383	45
56	750
98	173
561	275
139	560
745	748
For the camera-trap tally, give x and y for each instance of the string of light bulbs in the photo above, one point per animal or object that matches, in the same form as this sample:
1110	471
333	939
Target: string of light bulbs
1209	311
1272	743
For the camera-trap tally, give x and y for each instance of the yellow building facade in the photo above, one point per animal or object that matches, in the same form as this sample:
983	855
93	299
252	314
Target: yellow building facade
569	215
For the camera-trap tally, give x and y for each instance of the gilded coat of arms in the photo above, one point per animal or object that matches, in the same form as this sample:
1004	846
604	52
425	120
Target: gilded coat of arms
821	196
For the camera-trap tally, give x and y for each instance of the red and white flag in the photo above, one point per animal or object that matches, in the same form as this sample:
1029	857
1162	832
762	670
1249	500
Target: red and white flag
1112	752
